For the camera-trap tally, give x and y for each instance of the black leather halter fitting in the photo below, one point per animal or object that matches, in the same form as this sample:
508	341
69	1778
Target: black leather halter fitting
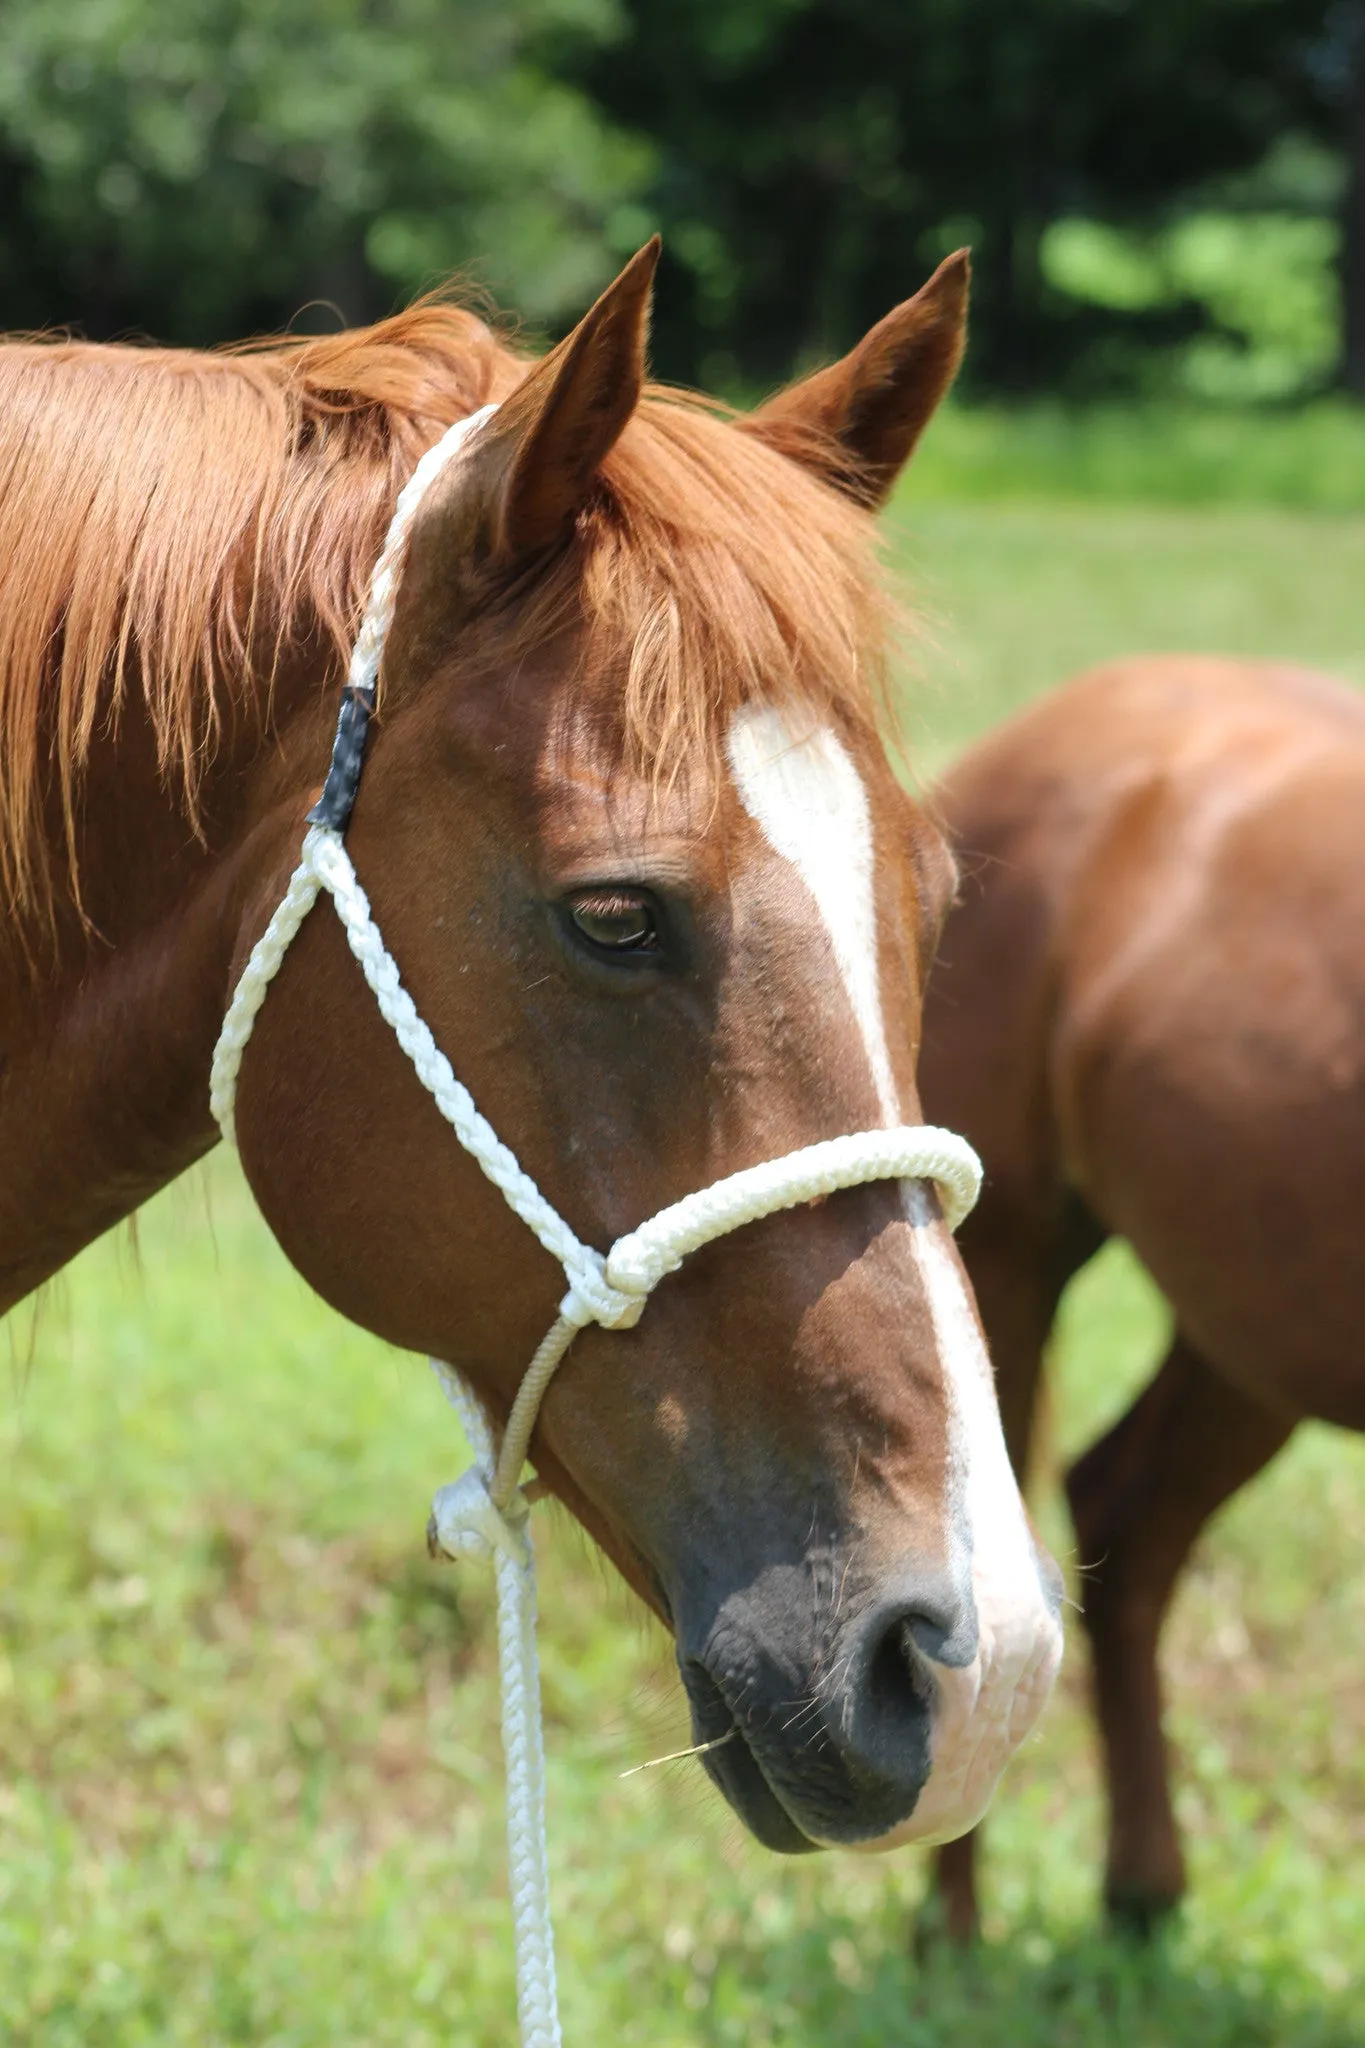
333	808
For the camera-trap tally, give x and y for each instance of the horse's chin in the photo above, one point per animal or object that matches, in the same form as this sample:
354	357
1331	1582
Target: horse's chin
736	1770
732	1766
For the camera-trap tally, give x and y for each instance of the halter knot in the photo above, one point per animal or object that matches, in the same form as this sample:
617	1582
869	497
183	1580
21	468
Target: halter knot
593	1299
467	1522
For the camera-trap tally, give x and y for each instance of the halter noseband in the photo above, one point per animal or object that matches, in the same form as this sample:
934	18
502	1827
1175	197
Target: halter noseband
485	1512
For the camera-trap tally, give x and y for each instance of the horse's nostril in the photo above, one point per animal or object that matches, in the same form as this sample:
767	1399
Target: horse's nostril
896	1681
882	1721
905	1639
935	1635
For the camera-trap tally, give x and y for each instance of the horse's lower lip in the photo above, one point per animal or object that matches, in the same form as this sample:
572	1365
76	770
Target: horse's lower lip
732	1766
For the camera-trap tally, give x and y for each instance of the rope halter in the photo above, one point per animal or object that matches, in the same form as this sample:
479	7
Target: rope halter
485	1512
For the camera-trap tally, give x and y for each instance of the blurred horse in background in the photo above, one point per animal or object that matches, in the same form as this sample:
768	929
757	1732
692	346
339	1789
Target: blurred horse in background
1148	1015
631	834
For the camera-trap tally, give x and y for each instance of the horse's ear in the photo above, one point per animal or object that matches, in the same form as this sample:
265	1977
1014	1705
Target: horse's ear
858	421
534	463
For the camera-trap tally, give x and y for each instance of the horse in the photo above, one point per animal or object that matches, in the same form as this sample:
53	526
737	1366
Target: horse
1148	1015
630	828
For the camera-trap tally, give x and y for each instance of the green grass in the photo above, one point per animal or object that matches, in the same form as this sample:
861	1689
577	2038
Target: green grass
1309	457
249	1772
1014	597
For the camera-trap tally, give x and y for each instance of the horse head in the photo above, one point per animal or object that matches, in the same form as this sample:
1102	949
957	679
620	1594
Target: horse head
628	826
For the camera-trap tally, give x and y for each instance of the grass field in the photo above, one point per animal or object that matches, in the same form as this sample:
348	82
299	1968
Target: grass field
1016	596
249	1772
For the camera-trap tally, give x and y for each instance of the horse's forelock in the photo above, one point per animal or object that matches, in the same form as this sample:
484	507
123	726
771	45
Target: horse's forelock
723	574
171	521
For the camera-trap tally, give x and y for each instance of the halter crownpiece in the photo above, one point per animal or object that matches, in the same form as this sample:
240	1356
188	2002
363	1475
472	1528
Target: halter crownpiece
333	808
485	1512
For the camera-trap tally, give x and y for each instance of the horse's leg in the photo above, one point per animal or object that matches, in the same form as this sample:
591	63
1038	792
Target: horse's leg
1018	1277
1139	1498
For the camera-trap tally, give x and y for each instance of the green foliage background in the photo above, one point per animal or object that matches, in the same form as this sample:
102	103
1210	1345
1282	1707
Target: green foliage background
1155	190
197	171
815	155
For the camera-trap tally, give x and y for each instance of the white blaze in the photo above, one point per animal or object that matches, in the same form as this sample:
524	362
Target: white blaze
807	798
803	791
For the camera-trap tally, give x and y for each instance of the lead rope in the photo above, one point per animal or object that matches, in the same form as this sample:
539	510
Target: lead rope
485	1512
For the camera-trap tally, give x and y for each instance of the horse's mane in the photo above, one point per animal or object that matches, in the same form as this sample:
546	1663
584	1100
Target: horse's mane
170	521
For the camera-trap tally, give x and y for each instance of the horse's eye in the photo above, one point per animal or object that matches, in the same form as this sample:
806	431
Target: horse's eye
616	920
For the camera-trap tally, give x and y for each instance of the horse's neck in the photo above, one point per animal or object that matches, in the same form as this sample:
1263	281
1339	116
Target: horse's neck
105	1044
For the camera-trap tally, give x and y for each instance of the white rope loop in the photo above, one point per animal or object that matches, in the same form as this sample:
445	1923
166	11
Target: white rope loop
637	1262
485	1512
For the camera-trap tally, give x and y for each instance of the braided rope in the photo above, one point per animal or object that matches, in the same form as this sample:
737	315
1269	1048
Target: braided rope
582	1266
485	1512
637	1262
465	1522
368	651
260	970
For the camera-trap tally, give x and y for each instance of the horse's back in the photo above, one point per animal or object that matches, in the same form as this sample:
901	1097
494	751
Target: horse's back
1046	780
1153	992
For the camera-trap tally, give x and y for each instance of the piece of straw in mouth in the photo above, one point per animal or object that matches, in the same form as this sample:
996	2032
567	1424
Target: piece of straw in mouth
676	1755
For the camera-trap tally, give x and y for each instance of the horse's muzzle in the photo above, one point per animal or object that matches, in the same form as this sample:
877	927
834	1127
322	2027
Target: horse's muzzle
821	1731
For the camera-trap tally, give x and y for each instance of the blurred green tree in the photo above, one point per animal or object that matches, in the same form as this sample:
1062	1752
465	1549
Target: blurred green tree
1345	72
1154	189
816	155
199	169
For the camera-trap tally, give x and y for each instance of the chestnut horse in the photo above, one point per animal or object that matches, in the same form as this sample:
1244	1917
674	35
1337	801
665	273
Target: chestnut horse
631	834
1148	1015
